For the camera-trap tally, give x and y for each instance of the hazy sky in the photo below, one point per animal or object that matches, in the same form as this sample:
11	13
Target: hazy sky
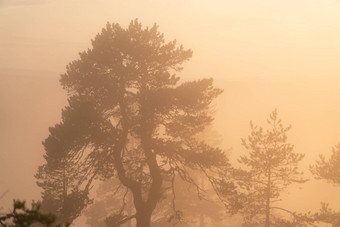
229	38
265	54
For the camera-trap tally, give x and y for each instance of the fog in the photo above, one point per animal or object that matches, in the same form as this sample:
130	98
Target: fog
264	55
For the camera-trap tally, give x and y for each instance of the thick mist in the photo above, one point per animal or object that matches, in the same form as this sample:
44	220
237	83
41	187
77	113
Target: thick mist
265	56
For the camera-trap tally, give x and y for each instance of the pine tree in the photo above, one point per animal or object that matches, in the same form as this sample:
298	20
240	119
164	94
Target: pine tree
328	169
269	167
131	119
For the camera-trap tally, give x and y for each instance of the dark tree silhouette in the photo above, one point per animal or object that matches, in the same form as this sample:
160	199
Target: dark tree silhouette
21	216
270	167
128	117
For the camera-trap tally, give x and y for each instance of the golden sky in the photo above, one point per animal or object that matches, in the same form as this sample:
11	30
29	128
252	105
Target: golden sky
229	38
265	54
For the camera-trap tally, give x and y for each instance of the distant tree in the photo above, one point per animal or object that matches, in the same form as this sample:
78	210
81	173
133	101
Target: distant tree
61	195
24	217
327	215
193	211
269	167
113	201
129	118
328	169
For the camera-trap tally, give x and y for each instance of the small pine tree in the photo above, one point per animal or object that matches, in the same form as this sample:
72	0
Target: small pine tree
328	169
270	166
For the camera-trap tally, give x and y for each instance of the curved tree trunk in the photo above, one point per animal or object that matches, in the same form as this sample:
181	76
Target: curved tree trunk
143	218
144	207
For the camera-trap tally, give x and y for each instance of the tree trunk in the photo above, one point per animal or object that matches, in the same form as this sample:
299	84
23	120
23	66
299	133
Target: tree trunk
143	218
130	208
268	199
267	213
202	215
201	220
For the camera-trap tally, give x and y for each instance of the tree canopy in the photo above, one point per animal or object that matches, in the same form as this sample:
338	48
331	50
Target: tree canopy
129	118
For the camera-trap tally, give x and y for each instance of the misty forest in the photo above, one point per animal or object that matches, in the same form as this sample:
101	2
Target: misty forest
126	135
